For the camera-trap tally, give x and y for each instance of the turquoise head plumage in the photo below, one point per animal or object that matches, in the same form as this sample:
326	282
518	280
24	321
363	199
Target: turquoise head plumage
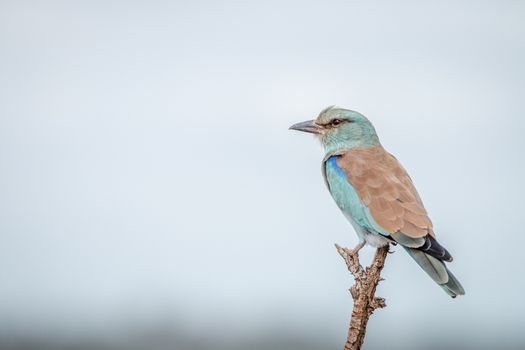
340	129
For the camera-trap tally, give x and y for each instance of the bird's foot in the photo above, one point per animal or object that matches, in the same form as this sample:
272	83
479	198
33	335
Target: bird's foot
357	248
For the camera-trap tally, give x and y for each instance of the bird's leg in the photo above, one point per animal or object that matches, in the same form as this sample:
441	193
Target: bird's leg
358	247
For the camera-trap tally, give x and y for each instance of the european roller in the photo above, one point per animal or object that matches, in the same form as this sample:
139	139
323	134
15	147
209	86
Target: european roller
376	194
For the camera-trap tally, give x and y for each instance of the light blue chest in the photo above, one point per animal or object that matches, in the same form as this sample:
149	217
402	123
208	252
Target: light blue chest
350	204
344	193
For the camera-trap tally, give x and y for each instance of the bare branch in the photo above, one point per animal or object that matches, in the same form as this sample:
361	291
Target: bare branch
363	292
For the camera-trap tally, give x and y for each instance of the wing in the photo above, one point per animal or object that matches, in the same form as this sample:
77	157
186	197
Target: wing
395	207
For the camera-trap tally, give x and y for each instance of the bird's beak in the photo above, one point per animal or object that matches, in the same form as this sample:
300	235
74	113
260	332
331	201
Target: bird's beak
307	126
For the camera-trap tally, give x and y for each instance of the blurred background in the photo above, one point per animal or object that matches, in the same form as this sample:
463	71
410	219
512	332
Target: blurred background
151	196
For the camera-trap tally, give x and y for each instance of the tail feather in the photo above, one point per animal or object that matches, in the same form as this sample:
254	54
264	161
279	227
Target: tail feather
432	247
437	270
453	287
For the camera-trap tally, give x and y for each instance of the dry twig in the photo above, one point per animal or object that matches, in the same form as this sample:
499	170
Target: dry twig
363	292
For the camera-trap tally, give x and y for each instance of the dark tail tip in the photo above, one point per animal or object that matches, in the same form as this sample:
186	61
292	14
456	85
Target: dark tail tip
453	287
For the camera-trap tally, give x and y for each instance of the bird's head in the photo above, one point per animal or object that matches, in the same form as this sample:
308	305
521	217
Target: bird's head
340	129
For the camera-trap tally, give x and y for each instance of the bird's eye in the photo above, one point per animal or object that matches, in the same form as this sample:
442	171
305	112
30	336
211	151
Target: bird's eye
336	122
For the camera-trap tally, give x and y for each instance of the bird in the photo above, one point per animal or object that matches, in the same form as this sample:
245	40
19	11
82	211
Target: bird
375	193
